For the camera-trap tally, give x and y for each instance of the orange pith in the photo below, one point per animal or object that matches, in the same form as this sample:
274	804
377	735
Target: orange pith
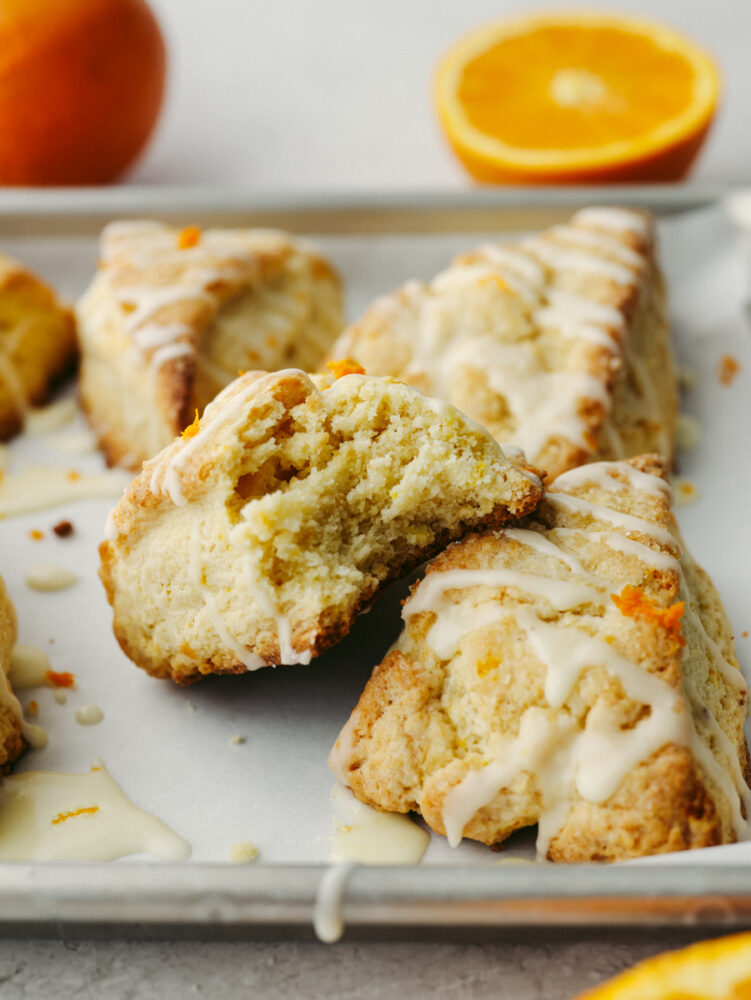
567	97
710	970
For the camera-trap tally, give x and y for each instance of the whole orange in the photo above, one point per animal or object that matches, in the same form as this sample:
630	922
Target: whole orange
81	86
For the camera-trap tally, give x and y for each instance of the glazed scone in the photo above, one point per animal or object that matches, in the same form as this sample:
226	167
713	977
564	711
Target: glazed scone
257	537
11	717
558	343
552	674
37	343
173	315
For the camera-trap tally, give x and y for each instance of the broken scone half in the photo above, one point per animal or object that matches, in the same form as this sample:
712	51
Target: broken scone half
557	343
576	672
259	535
12	742
37	343
173	314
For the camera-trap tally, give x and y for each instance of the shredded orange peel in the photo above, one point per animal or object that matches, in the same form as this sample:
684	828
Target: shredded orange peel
192	429
345	366
189	237
59	680
634	603
83	811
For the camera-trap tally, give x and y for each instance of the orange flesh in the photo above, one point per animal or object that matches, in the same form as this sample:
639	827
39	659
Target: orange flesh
506	90
634	603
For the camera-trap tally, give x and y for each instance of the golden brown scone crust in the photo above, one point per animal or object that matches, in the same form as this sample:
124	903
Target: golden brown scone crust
11	739
37	343
259	539
173	315
558	343
436	713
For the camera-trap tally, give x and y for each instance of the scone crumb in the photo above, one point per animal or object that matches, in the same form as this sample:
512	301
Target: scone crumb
243	852
192	429
345	366
83	811
62	679
63	529
189	237
632	602
36	535
237	739
745	635
684	491
727	369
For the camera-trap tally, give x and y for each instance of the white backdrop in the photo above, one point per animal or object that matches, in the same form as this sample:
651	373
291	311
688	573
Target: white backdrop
335	94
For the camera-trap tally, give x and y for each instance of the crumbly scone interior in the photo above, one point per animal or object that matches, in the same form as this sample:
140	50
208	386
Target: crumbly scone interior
11	716
532	339
519	693
300	504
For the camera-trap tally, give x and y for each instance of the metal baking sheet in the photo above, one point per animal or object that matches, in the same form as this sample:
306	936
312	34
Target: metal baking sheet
171	749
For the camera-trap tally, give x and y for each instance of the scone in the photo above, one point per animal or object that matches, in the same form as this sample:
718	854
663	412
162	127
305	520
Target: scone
11	717
577	672
258	536
174	314
558	343
37	343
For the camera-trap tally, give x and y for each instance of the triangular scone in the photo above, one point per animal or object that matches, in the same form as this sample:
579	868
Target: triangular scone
11	717
521	691
37	343
173	315
258	537
558	343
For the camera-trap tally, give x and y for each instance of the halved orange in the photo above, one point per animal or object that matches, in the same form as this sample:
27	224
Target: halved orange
576	98
711	970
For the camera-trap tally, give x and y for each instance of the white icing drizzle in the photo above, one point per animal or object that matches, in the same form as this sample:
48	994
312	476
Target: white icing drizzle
260	594
327	914
89	715
551	747
47	576
195	576
28	667
619	220
599	241
564	259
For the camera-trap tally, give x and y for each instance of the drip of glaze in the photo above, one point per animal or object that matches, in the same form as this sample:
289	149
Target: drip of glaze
40	487
327	914
371	837
28	667
45	816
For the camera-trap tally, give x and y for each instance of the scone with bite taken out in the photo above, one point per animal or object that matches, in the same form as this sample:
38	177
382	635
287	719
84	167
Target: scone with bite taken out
173	315
558	342
575	672
37	343
258	536
11	718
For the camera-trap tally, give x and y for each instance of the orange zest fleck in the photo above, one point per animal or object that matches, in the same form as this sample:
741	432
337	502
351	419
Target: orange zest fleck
346	366
727	369
73	476
191	430
83	811
634	603
188	651
59	680
32	708
189	237
36	535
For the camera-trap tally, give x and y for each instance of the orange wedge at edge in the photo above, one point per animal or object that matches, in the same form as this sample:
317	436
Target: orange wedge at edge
711	970
576	97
